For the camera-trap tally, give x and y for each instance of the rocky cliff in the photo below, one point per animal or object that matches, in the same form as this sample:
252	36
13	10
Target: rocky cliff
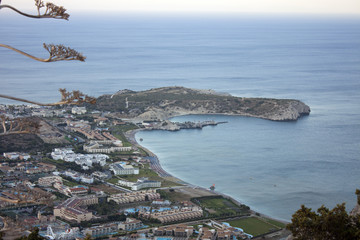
162	103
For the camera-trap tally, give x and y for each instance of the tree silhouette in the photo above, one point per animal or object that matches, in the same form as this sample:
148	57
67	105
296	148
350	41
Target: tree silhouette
324	224
56	53
34	235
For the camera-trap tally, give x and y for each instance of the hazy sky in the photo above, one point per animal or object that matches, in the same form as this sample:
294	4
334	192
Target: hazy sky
249	6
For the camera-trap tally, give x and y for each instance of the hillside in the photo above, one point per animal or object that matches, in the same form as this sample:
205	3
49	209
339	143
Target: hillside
162	103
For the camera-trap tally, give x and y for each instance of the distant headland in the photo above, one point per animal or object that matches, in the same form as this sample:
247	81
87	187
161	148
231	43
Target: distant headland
166	102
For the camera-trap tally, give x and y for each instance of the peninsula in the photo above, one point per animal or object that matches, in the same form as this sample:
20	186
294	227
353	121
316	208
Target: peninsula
163	103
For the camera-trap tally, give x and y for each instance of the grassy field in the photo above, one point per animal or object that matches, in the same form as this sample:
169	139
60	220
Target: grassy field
184	194
276	223
254	226
219	206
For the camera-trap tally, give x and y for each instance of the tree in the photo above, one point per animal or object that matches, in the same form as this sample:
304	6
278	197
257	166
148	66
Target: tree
34	235
87	237
324	224
357	192
56	53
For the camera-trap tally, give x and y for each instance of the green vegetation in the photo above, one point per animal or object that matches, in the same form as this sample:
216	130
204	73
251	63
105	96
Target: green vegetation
70	183
174	196
97	221
34	235
120	136
143	152
124	128
25	142
357	192
275	223
60	196
152	175
119	130
113	180
144	172
324	224
62	165
105	208
253	225
218	206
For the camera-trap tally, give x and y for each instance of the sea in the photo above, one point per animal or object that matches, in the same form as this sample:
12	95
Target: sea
274	167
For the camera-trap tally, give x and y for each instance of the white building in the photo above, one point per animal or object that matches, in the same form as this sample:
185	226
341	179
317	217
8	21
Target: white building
78	176
60	153
11	155
16	155
106	146
43	113
87	179
99	175
123	169
130	224
145	183
140	184
78	110
49	181
68	155
102	230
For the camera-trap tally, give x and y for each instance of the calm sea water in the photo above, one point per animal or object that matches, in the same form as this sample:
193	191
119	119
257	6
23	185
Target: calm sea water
271	166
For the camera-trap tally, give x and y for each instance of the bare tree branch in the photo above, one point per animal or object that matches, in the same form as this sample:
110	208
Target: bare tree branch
51	11
18	125
71	98
56	52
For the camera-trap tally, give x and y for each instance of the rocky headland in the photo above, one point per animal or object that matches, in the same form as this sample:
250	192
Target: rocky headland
167	102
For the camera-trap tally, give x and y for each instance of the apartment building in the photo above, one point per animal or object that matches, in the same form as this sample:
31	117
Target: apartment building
49	181
123	198
181	231
174	215
102	230
123	169
71	209
130	224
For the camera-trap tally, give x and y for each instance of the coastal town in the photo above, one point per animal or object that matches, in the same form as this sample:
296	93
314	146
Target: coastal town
82	174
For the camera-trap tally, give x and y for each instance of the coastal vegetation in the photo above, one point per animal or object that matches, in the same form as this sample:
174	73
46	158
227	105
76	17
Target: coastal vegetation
325	224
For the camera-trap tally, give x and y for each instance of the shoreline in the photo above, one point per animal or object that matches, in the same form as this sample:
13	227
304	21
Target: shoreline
156	166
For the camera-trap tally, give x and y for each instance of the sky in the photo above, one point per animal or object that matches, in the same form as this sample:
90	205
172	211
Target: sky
342	7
